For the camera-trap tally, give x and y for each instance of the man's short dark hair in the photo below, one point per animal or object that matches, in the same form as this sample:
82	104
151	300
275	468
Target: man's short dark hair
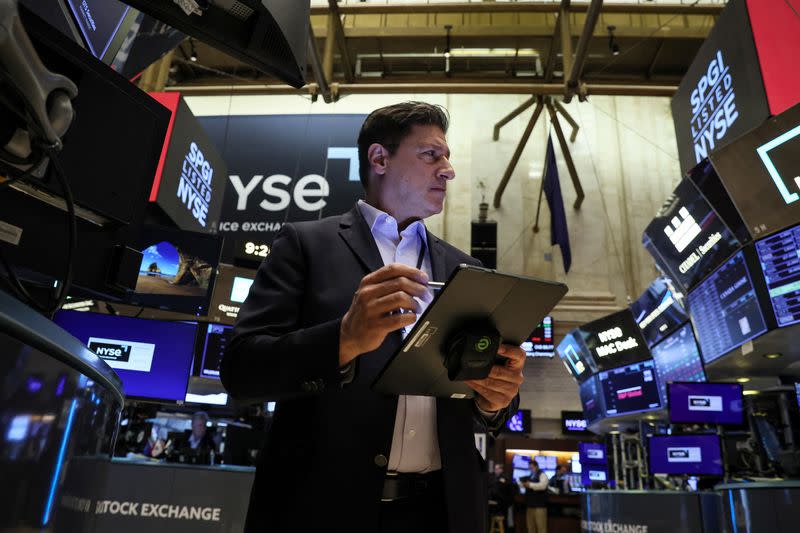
389	125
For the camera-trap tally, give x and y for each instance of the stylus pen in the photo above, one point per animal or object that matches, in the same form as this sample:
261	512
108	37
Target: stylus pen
435	285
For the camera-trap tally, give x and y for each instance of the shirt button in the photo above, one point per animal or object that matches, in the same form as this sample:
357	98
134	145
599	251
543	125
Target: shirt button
411	433
380	460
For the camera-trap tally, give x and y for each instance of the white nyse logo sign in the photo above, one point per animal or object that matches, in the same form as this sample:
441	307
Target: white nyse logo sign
713	107
194	189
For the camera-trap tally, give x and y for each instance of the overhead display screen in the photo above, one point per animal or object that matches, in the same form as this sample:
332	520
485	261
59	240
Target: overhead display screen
99	21
725	310
677	358
614	340
688	240
779	256
573	422
658	311
630	389
706	403
591	453
575	356
153	358
687	454
230	291
591	400
540	342
761	171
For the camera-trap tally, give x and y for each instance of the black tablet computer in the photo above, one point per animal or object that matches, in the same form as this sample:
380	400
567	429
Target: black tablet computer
512	304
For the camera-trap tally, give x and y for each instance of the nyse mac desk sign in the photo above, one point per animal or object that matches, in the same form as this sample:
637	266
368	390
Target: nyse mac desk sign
722	95
284	168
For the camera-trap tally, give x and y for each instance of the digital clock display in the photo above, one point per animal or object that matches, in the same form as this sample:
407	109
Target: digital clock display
254	248
250	253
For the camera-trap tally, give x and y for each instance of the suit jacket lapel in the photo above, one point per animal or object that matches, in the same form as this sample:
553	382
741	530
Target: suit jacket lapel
438	264
355	232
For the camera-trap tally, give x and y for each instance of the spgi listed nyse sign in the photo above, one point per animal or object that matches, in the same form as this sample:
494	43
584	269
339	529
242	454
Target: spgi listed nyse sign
722	95
283	168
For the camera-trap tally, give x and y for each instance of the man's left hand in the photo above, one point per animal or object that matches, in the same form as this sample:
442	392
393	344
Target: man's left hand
496	391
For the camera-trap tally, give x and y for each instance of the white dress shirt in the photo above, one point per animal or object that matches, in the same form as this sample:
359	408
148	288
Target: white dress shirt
415	444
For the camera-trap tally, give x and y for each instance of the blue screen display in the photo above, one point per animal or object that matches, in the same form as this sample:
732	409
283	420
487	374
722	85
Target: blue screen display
153	358
725	309
519	422
780	261
677	358
216	341
590	453
688	454
706	403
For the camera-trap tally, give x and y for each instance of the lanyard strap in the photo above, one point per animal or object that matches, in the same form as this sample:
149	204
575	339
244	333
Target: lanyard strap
422	248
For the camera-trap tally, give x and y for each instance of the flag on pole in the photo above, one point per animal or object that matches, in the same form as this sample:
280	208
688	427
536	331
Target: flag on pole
559	234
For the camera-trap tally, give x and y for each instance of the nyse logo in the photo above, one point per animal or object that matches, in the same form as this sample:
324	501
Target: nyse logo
595	454
111	352
713	107
123	354
684	454
682	230
705	403
778	177
597	475
194	188
309	193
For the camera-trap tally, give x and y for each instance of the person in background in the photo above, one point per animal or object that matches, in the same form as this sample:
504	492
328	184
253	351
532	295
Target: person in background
501	493
560	482
536	499
199	438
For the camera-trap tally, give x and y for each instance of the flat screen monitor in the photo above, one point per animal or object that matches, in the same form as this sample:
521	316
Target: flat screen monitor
591	399
594	474
688	240
686	454
659	311
540	342
103	24
520	466
614	340
152	358
211	345
575	356
591	453
725	309
519	422
780	263
706	403
231	288
630	389
547	464
177	271
677	358
759	170
574	423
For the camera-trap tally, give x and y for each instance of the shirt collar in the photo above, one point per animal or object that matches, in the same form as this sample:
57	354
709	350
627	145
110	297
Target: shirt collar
375	219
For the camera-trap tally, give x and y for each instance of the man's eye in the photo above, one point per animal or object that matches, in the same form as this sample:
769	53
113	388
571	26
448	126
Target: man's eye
430	153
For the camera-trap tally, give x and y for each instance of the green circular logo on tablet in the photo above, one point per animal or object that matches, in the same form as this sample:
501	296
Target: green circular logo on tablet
483	343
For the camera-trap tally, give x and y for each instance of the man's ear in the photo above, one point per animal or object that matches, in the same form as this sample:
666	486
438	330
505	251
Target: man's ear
377	155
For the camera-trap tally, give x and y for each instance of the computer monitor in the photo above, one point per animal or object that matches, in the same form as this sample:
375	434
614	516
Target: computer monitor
152	357
659	311
519	422
630	389
231	288
706	403
208	392
725	310
591	453
575	356
104	24
688	239
614	340
677	358
686	454
574	423
592	474
780	264
210	348
592	399
547	464
540	342
178	269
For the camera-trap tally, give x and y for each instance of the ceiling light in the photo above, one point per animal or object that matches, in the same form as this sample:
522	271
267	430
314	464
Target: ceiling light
612	41
193	52
774	355
742	380
750	392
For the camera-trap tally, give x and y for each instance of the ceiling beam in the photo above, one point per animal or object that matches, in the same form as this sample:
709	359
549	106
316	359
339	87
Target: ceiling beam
651	68
341	41
582	50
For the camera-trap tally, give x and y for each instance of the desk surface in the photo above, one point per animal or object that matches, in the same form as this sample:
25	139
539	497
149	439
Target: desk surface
135	461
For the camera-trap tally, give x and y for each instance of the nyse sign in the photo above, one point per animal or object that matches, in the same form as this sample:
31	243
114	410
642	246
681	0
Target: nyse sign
713	104
284	168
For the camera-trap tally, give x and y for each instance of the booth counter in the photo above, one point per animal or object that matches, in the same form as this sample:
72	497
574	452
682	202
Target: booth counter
769	507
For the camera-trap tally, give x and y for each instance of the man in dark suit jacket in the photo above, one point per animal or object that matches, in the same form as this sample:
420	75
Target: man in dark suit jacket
324	315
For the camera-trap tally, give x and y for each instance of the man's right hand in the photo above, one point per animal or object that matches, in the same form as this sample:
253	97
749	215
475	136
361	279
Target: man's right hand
373	314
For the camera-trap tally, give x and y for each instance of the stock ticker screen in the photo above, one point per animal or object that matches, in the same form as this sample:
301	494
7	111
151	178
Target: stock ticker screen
540	342
779	255
677	358
216	340
630	389
725	309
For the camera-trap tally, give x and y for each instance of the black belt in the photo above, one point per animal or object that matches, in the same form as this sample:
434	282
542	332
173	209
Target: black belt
400	485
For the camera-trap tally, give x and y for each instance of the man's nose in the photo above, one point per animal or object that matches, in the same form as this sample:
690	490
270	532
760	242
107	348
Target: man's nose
447	171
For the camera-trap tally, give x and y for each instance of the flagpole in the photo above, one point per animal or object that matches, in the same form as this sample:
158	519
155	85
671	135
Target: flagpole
541	187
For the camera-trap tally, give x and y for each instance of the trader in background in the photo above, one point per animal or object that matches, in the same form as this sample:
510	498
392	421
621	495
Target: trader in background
328	309
535	499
